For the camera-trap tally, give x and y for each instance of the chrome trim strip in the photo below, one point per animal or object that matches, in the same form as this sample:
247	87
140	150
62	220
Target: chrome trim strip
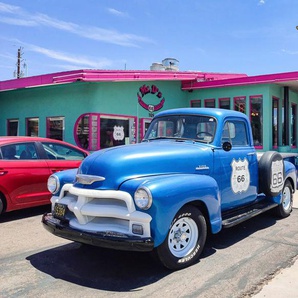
88	179
203	167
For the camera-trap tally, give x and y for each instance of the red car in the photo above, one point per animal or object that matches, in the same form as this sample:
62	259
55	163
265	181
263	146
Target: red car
25	165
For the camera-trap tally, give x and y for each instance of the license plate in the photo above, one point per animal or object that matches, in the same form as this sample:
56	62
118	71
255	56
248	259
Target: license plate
60	210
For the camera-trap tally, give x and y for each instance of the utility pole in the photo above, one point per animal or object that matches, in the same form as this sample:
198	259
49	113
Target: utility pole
19	73
19	64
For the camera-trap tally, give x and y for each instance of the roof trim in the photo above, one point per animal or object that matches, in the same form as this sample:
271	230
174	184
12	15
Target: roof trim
240	81
112	76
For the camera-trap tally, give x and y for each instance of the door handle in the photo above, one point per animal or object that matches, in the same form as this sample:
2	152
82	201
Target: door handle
251	153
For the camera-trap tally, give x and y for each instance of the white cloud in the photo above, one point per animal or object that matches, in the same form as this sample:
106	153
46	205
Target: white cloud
79	60
17	22
261	2
22	18
289	52
6	8
117	12
8	56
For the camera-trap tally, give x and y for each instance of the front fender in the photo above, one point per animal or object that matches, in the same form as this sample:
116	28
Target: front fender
66	176
170	193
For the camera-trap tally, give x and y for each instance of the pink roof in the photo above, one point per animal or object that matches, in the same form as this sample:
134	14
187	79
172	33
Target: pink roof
283	79
187	77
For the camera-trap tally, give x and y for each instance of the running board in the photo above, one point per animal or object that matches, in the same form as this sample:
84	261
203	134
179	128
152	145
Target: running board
234	218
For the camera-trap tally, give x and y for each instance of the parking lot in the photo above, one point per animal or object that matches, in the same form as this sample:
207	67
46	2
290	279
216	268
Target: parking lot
235	263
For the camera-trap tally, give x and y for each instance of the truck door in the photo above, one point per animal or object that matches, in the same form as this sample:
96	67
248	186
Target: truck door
238	168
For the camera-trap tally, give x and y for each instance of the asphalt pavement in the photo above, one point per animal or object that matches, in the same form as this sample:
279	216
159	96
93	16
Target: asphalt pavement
284	283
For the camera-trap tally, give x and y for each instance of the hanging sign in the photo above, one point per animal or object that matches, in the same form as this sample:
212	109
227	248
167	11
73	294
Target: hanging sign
144	90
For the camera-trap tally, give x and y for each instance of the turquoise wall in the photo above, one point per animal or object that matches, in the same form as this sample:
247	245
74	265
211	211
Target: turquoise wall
266	91
72	100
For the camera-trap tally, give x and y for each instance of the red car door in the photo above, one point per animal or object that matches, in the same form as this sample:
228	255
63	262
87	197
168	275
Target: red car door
24	183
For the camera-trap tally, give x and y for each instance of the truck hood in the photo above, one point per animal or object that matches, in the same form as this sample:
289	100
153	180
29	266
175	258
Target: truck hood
121	163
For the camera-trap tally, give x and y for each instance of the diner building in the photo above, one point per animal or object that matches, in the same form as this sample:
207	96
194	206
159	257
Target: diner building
95	109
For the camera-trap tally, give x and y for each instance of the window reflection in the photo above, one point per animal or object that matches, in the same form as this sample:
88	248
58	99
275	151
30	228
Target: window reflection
256	118
32	127
98	131
55	128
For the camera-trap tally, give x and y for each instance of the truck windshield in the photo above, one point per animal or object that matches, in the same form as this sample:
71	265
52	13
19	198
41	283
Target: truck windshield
197	128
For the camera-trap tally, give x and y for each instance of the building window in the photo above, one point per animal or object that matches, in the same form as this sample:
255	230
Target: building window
240	104
224	103
256	119
13	127
294	125
145	122
32	127
82	129
275	121
209	103
96	131
117	130
195	103
55	128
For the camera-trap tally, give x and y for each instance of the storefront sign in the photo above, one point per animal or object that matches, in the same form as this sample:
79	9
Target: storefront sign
118	133
144	90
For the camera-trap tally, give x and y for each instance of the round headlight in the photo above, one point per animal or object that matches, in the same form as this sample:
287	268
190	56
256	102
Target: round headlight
53	184
143	198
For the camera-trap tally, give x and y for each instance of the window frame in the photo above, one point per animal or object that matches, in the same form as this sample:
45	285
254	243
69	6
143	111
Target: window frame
251	98
275	135
294	125
28	127
48	129
94	129
240	99
224	99
8	130
194	102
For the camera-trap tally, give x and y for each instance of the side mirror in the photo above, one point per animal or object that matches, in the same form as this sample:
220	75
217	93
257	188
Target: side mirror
227	146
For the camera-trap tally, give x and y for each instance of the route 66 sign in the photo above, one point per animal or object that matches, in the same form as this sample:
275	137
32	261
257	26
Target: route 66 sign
118	133
277	179
240	178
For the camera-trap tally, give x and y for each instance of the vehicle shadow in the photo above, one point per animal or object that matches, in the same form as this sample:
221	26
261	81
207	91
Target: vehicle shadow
24	213
99	268
113	270
230	236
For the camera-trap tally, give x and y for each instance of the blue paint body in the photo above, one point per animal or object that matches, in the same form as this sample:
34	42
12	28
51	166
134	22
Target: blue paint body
180	171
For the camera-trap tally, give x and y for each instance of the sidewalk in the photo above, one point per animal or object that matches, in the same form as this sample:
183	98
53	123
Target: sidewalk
285	283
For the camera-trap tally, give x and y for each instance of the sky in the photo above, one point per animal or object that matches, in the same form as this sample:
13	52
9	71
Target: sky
250	37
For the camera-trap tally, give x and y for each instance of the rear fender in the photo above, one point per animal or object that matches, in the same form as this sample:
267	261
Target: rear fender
291	174
170	193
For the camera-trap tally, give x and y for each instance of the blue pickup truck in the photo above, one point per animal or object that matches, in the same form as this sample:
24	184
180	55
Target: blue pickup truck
196	172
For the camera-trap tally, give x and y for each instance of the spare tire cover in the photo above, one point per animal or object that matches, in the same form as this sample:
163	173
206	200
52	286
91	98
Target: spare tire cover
271	173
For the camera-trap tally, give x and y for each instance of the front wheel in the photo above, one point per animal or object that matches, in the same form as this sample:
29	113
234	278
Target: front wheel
285	207
186	239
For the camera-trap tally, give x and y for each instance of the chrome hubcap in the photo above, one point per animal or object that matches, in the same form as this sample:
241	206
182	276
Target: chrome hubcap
183	237
286	198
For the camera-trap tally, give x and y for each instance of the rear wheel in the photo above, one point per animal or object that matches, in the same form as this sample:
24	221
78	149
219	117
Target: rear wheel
271	173
1	204
285	207
186	239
